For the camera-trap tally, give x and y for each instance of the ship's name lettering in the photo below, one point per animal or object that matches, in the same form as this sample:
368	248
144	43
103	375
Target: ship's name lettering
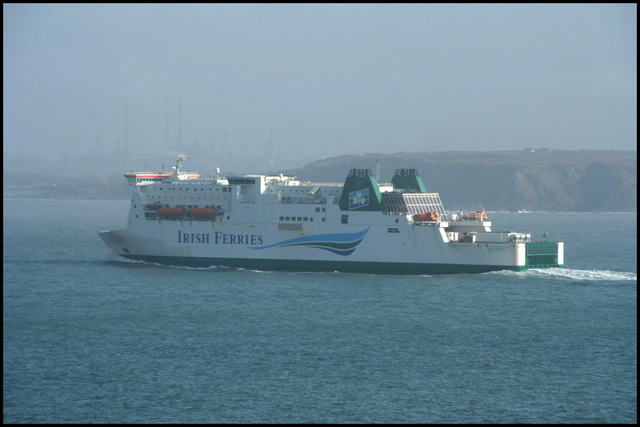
220	238
237	239
193	237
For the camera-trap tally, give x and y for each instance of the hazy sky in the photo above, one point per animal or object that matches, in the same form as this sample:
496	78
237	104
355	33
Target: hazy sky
323	80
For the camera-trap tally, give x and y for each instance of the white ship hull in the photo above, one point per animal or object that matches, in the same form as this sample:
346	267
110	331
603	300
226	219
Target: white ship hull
258	224
353	248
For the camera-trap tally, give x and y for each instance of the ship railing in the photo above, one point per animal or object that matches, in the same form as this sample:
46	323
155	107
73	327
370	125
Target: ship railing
203	180
296	200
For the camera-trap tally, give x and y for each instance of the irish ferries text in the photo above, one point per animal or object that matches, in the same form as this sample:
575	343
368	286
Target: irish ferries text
220	238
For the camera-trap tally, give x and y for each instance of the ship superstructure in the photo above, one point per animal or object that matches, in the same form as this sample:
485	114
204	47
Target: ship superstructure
276	222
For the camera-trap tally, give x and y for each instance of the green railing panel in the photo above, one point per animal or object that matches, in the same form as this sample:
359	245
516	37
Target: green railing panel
541	254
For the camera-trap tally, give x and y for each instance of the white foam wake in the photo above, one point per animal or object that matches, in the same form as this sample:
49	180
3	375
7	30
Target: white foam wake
572	274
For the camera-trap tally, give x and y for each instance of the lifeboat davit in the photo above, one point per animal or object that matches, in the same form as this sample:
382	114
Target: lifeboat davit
429	216
202	212
176	212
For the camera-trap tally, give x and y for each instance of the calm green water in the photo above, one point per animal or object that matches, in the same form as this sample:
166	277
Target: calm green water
90	339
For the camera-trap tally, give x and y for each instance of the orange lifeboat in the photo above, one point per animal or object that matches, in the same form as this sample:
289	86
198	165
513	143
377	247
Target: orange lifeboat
202	212
475	216
176	212
429	216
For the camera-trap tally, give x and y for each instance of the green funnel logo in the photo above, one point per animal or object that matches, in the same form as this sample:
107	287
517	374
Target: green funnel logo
358	199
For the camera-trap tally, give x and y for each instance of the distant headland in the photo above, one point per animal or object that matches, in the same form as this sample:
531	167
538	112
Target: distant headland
531	179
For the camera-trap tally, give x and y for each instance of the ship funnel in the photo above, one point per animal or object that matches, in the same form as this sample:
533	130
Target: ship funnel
408	180
360	192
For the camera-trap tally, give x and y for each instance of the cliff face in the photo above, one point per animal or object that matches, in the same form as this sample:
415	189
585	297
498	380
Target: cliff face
535	181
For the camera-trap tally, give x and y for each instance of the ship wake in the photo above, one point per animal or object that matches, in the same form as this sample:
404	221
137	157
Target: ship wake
576	274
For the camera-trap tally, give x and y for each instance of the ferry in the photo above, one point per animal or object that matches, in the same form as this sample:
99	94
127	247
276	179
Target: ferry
277	222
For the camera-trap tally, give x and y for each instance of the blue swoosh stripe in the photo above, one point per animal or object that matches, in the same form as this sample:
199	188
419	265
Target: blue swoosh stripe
319	238
343	252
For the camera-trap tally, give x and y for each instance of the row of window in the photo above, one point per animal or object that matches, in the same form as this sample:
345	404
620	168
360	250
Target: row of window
241	181
187	198
298	218
224	189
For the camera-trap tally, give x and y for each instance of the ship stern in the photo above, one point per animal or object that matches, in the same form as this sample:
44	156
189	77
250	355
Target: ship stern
544	254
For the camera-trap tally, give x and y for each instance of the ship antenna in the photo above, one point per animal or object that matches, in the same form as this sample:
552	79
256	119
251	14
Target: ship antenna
179	160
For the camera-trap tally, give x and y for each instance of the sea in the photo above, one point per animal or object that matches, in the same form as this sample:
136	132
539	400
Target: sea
89	337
